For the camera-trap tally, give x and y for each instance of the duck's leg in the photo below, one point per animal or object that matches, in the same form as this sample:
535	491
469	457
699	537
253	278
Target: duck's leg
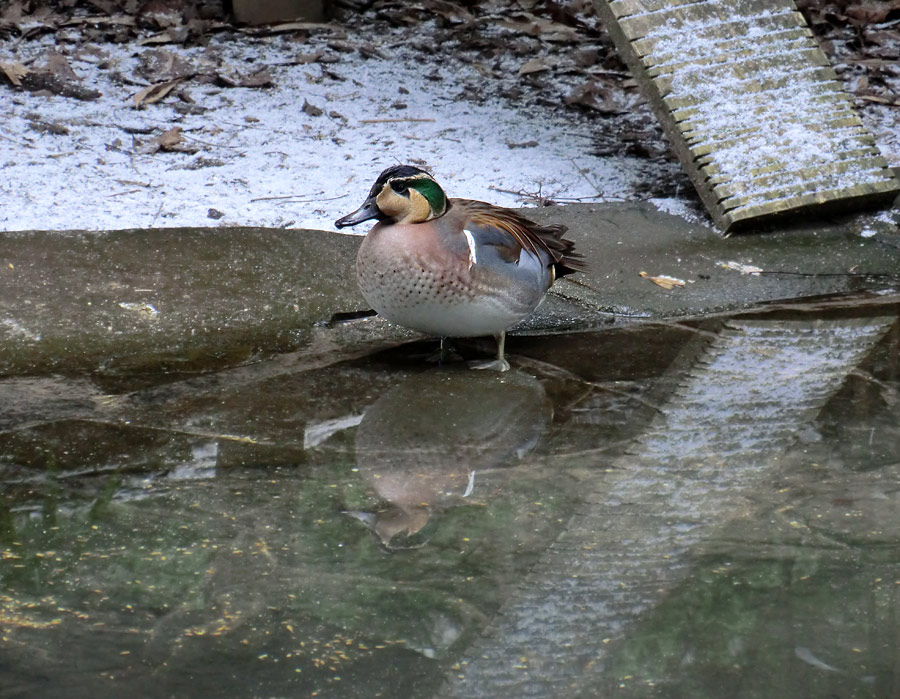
446	350
500	363
445	354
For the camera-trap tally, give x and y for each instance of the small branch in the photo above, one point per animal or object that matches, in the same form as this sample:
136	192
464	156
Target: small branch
285	196
391	121
865	275
583	173
879	100
289	199
18	143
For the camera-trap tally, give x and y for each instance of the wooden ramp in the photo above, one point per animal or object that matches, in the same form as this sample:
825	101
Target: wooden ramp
751	106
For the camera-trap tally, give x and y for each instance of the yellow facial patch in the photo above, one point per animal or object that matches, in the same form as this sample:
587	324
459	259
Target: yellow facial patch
390	203
412	209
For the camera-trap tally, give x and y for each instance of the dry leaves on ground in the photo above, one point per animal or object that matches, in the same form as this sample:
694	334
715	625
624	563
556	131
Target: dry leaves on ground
664	280
155	93
171	141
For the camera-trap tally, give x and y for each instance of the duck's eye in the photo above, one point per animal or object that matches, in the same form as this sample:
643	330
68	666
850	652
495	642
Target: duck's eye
399	186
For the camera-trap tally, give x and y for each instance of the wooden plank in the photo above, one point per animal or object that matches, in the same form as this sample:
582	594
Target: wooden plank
831	101
807	188
717	179
748	68
718	34
709	16
841	200
753	109
731	192
624	8
786	42
703	138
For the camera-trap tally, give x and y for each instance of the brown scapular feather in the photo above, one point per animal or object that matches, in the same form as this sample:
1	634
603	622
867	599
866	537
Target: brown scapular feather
528	234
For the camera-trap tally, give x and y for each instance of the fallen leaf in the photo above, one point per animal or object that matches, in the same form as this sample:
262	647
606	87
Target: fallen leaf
261	78
305	58
231	78
59	66
870	13
14	72
169	139
172	141
370	51
539	27
312	110
48	127
663	280
159	65
107	6
535	65
268	30
594	96
155	93
449	10
879	100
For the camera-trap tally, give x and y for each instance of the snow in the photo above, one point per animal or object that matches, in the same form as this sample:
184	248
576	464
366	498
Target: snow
263	160
793	138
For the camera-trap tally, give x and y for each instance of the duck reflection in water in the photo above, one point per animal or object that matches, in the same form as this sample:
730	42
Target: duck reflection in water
442	439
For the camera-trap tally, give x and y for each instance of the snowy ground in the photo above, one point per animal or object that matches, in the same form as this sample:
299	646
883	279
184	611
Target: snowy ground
301	145
262	160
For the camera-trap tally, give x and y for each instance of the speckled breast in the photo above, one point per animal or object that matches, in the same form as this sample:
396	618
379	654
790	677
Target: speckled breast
424	279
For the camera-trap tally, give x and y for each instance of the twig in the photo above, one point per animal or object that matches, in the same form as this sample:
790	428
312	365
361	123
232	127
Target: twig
284	196
158	212
392	121
583	173
296	201
853	275
879	100
132	182
187	137
509	191
313	201
18	143
541	197
119	194
536	197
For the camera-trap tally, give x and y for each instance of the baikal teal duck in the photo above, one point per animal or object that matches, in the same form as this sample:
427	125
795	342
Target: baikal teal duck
453	267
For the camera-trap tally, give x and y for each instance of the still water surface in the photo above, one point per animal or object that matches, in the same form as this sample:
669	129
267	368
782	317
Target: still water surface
705	509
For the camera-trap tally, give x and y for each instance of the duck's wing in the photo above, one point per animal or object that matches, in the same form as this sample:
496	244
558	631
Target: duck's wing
527	234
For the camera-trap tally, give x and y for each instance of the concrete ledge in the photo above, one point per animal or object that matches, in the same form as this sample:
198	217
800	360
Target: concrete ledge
128	300
135	298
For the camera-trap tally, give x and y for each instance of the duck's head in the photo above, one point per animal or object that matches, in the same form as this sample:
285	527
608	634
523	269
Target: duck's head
401	194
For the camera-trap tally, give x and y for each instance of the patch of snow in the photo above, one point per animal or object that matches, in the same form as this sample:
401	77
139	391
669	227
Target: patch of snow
793	138
688	210
264	161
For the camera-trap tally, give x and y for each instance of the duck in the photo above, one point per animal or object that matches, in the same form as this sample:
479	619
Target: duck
453	267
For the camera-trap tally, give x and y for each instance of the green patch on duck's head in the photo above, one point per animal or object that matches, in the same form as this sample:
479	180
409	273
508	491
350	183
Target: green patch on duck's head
401	194
424	184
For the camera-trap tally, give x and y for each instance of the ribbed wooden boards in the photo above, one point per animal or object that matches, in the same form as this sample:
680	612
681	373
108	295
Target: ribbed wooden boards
754	111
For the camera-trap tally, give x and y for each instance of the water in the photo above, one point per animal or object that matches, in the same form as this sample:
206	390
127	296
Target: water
701	509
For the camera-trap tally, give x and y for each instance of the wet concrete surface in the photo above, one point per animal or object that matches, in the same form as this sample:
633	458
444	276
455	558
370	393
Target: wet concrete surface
126	301
676	502
650	510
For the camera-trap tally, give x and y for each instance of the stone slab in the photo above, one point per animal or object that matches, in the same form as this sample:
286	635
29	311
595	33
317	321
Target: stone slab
128	300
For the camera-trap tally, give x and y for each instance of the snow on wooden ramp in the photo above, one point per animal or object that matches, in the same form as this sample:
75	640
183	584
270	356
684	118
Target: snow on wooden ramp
752	108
